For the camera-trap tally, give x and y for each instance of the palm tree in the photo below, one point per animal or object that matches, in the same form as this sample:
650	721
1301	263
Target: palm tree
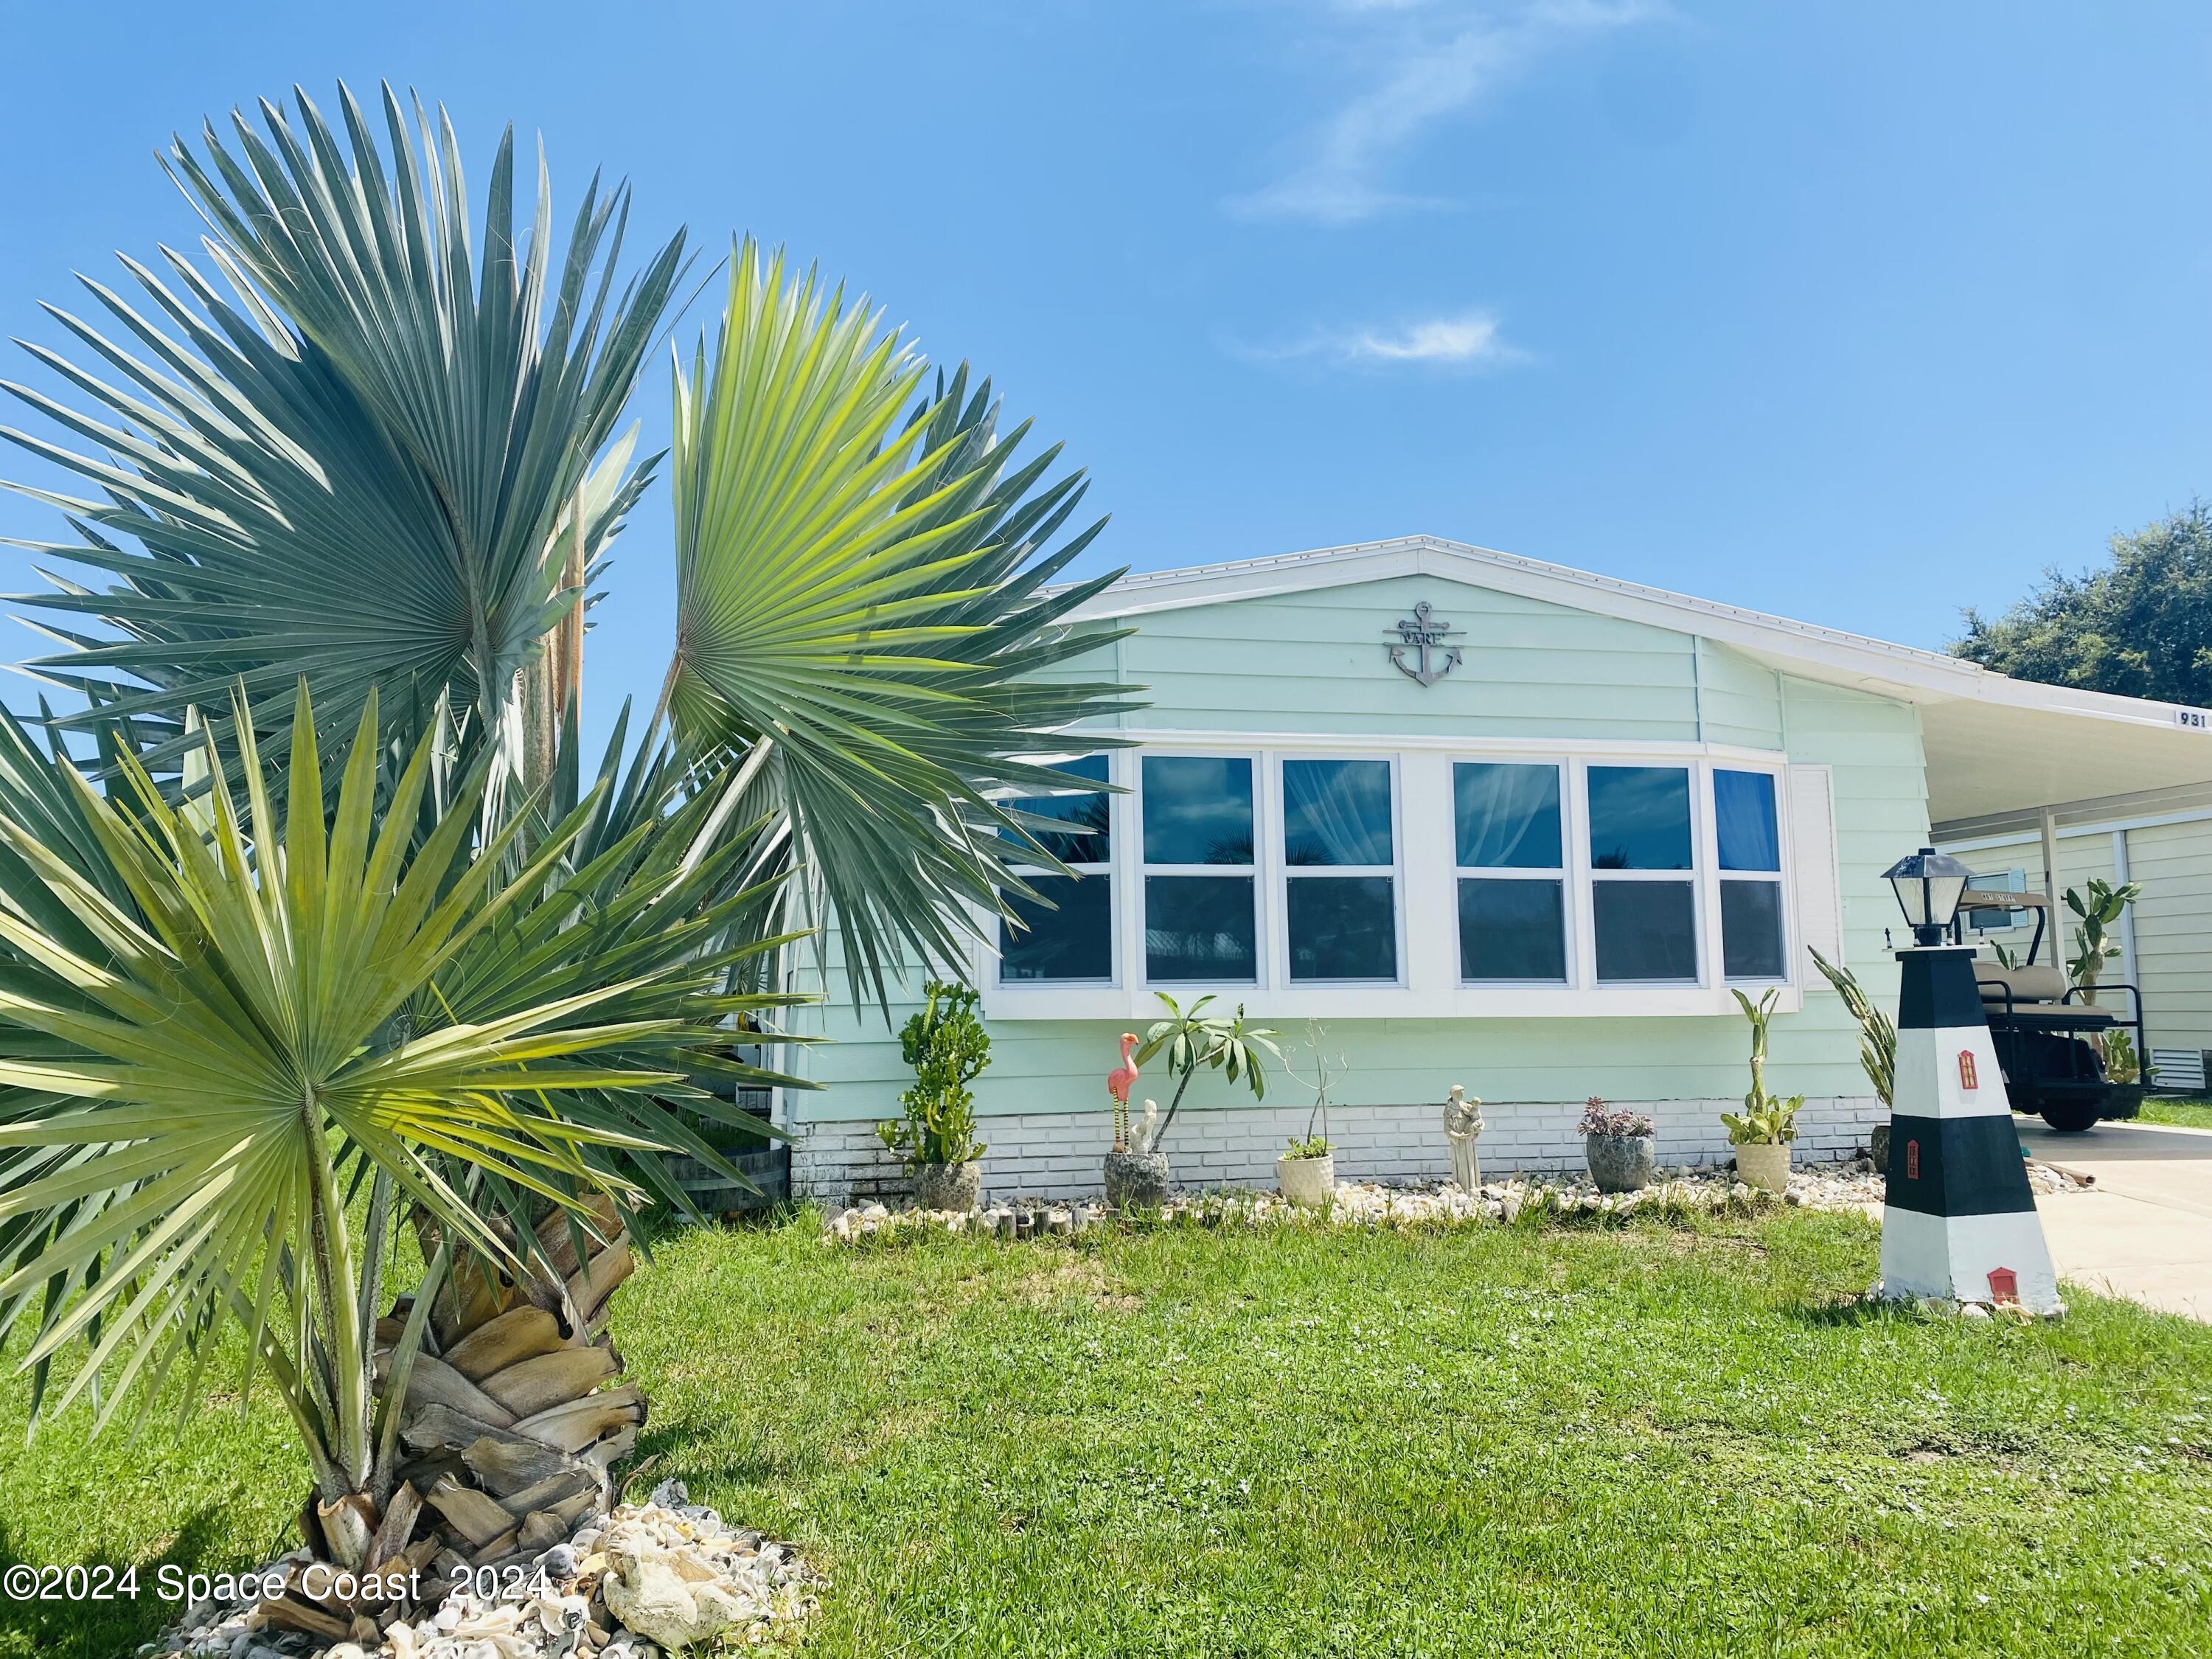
365	476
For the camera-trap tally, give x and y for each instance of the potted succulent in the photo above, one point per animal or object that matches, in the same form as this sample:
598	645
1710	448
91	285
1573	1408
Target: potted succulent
1762	1132
1137	1171
1619	1147
1306	1172
947	1047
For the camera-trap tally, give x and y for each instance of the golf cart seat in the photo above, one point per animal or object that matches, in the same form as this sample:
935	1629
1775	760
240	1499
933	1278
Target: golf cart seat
2036	982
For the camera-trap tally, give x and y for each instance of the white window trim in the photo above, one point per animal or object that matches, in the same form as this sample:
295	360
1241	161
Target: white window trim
1570	919
1263	925
1781	876
1283	874
1705	928
1426	878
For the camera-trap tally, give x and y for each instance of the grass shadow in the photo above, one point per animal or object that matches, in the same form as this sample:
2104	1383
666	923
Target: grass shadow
64	1629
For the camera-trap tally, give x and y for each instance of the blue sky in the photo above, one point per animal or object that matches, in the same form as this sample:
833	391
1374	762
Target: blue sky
1860	313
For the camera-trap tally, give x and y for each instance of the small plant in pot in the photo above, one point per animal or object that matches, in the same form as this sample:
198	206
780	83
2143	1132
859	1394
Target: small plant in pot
1137	1171
1762	1132
1306	1172
1619	1147
948	1047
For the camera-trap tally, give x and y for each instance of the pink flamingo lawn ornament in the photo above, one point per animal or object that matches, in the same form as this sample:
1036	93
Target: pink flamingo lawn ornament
1119	1082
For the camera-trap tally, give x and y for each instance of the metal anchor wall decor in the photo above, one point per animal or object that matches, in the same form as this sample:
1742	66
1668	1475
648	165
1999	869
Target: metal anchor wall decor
1424	634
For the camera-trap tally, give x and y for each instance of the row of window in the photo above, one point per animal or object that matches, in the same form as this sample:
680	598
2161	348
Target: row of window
1339	857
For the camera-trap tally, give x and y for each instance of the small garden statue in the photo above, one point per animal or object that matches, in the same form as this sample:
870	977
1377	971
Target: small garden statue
1464	1126
1619	1145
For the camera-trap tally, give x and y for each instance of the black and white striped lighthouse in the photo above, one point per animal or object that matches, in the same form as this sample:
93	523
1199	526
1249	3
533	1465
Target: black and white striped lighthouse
1959	1220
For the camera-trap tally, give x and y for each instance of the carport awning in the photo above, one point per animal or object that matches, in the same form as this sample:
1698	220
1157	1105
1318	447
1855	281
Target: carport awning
2001	752
1994	767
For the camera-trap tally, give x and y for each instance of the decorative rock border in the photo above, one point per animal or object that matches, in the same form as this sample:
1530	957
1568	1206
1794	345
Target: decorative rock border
648	1580
1680	1192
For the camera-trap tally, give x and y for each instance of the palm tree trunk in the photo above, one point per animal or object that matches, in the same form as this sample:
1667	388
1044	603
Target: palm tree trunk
515	1410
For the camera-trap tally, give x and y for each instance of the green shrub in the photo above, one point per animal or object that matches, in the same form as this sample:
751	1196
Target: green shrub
948	1047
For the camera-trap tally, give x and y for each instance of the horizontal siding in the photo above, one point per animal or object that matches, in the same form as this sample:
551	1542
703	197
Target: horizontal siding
1317	662
1739	701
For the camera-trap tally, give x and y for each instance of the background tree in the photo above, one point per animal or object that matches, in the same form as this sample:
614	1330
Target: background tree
2141	626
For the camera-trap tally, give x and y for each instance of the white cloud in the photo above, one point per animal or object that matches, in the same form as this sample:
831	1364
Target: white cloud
1429	63
1463	340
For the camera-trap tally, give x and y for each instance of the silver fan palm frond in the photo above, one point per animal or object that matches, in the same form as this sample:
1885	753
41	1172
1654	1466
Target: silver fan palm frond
864	597
340	443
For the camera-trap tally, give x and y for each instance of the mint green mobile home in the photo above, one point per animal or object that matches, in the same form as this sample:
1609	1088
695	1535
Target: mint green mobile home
1469	819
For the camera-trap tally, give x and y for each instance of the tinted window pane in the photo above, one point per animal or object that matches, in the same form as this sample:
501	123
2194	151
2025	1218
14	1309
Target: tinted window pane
1507	816
1639	818
1085	840
1751	930
1198	810
1073	942
1342	927
1199	927
1511	930
1336	811
1645	930
1743	816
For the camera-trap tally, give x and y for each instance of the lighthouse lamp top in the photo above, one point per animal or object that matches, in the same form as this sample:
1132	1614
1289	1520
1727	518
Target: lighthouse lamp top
1929	886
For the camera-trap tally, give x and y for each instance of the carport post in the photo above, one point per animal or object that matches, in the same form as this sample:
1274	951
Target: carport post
2050	885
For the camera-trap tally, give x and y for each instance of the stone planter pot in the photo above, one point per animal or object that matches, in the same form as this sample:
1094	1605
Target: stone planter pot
955	1186
1311	1181
1141	1179
1878	1145
1764	1165
1619	1163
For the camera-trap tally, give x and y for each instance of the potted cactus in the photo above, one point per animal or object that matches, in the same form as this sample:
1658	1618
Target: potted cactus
1619	1145
1762	1132
947	1047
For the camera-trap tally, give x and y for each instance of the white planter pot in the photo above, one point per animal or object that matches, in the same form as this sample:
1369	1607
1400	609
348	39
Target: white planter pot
1764	1166
1308	1181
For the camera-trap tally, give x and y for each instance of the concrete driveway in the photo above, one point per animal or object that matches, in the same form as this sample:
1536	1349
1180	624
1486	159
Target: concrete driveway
2145	1230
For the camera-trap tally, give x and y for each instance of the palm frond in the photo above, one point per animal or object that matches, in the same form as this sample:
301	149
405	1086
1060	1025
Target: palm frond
189	1067
867	595
340	445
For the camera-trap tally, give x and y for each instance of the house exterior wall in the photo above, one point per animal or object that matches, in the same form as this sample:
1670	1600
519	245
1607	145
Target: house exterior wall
1313	662
2172	921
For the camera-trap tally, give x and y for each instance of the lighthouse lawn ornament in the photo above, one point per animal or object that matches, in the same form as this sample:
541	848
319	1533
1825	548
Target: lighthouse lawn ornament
1959	1221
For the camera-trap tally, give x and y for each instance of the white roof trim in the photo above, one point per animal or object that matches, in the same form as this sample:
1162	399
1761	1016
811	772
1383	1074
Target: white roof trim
1806	649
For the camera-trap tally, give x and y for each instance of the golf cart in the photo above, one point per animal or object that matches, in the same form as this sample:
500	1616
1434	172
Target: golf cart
2050	1038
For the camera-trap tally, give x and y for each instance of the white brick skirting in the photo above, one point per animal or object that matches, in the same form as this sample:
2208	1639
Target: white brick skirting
1057	1154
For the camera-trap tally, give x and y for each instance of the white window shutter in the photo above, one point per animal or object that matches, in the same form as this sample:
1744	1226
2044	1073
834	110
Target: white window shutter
1813	862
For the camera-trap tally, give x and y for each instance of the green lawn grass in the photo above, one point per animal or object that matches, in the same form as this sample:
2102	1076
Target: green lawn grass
1647	1440
2184	1114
